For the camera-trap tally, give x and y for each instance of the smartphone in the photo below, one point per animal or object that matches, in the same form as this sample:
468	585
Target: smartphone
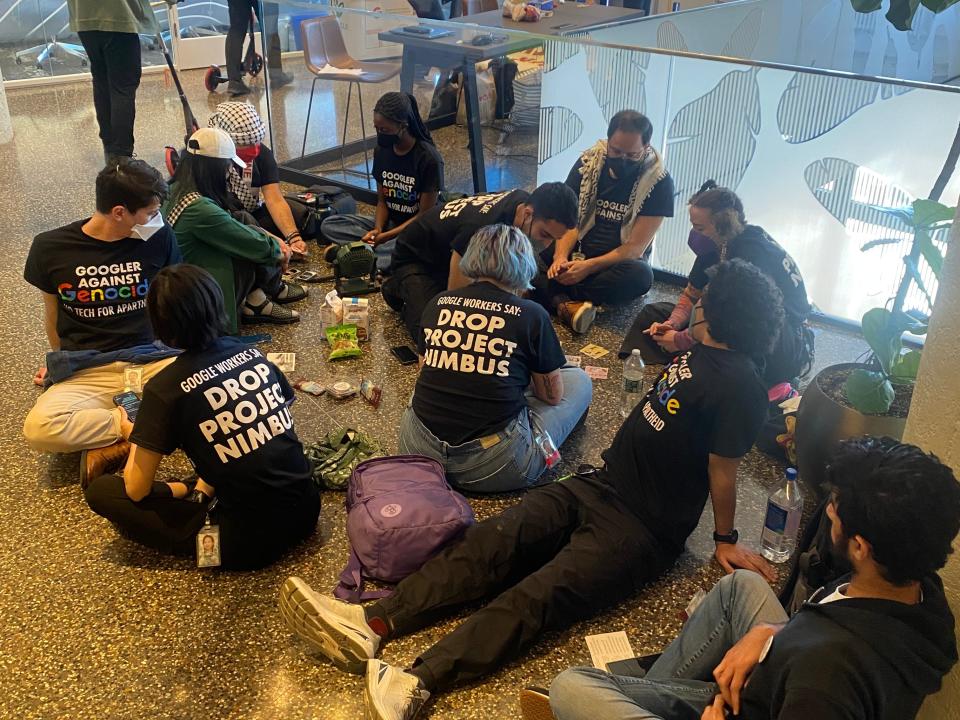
307	275
129	402
405	354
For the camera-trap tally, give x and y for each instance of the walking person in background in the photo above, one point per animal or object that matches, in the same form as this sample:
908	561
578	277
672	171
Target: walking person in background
110	33
240	15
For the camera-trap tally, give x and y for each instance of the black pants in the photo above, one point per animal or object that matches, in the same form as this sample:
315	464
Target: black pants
616	285
303	217
409	289
433	9
115	68
170	525
788	360
248	276
239	27
567	551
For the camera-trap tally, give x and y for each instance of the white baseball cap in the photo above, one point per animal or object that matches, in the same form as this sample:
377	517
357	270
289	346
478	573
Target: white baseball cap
213	143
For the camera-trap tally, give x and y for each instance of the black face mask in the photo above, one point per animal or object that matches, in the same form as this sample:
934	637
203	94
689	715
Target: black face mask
623	167
387	140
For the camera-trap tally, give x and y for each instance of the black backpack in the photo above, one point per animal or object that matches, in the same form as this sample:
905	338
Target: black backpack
816	566
325	200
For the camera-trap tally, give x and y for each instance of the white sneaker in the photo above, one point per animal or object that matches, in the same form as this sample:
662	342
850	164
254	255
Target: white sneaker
391	693
336	629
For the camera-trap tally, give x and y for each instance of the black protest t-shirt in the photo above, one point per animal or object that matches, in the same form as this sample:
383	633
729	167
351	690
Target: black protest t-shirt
430	238
402	179
707	401
760	250
264	170
227	408
101	287
613	202
479	346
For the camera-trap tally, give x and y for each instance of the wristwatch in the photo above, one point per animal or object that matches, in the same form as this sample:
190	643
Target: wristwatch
730	539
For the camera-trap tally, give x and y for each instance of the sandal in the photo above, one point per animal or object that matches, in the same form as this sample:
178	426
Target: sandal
290	293
278	314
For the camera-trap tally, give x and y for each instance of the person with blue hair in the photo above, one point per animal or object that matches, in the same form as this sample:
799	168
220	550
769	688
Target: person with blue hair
493	374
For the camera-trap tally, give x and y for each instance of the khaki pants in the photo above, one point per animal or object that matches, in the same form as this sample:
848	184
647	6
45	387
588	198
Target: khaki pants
78	413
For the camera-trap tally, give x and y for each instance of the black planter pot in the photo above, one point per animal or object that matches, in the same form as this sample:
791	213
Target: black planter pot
822	423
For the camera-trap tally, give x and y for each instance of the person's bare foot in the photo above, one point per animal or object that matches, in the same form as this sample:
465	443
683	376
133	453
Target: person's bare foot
99	461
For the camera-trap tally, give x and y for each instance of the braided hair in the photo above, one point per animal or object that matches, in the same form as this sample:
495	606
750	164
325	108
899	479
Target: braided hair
400	107
726	209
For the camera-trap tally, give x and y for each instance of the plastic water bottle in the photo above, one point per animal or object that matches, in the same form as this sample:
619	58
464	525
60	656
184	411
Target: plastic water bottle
784	508
542	439
632	383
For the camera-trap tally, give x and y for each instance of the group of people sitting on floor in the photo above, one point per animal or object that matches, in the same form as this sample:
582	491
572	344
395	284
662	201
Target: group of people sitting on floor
148	293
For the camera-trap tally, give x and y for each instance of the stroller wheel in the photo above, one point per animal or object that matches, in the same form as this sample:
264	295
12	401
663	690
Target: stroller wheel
171	158
254	64
212	78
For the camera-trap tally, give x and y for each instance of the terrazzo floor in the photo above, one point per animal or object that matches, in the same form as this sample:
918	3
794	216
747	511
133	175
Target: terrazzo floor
95	627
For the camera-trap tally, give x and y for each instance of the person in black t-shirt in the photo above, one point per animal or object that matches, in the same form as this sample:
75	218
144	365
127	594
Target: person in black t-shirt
427	256
94	275
720	232
492	373
624	192
257	186
408	170
870	645
228	408
574	547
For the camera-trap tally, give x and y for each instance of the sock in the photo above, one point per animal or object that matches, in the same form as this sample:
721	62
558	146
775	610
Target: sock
377	620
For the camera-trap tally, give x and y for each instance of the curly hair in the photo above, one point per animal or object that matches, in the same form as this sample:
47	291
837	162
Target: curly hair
901	500
743	307
725	206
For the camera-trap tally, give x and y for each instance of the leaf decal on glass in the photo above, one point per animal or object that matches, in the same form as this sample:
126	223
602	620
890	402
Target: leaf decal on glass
852	192
744	39
889	69
669	37
559	129
813	105
715	135
618	79
557	52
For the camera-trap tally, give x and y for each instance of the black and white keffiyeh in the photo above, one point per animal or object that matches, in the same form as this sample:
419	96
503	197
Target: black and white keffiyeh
242	123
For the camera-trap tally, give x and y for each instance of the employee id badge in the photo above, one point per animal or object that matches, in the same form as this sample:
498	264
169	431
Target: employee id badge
133	379
208	545
578	256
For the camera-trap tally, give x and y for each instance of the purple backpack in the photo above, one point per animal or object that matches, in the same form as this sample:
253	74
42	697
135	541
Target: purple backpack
400	513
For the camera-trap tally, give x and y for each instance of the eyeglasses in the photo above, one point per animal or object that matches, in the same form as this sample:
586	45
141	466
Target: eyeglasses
615	152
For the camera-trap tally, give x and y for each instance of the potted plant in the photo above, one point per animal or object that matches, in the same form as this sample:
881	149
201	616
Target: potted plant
873	397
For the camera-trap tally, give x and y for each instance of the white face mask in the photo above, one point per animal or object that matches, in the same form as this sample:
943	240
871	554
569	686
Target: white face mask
145	232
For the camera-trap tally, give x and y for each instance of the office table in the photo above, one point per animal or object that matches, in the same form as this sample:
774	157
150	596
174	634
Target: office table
456	51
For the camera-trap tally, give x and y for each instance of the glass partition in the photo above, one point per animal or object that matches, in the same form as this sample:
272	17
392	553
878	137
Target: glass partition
827	34
809	151
36	41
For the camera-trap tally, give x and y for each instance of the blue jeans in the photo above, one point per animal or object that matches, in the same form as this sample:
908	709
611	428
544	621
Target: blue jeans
679	685
345	229
507	460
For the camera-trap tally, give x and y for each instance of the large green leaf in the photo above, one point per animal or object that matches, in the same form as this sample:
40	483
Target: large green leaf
935	5
903	214
930	252
907	366
931	212
880	241
869	392
882	334
914	273
901	13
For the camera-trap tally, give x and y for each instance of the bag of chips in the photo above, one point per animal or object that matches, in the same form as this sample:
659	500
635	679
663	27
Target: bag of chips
343	342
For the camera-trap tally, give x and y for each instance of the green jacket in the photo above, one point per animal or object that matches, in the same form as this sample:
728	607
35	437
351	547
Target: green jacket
122	16
208	236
